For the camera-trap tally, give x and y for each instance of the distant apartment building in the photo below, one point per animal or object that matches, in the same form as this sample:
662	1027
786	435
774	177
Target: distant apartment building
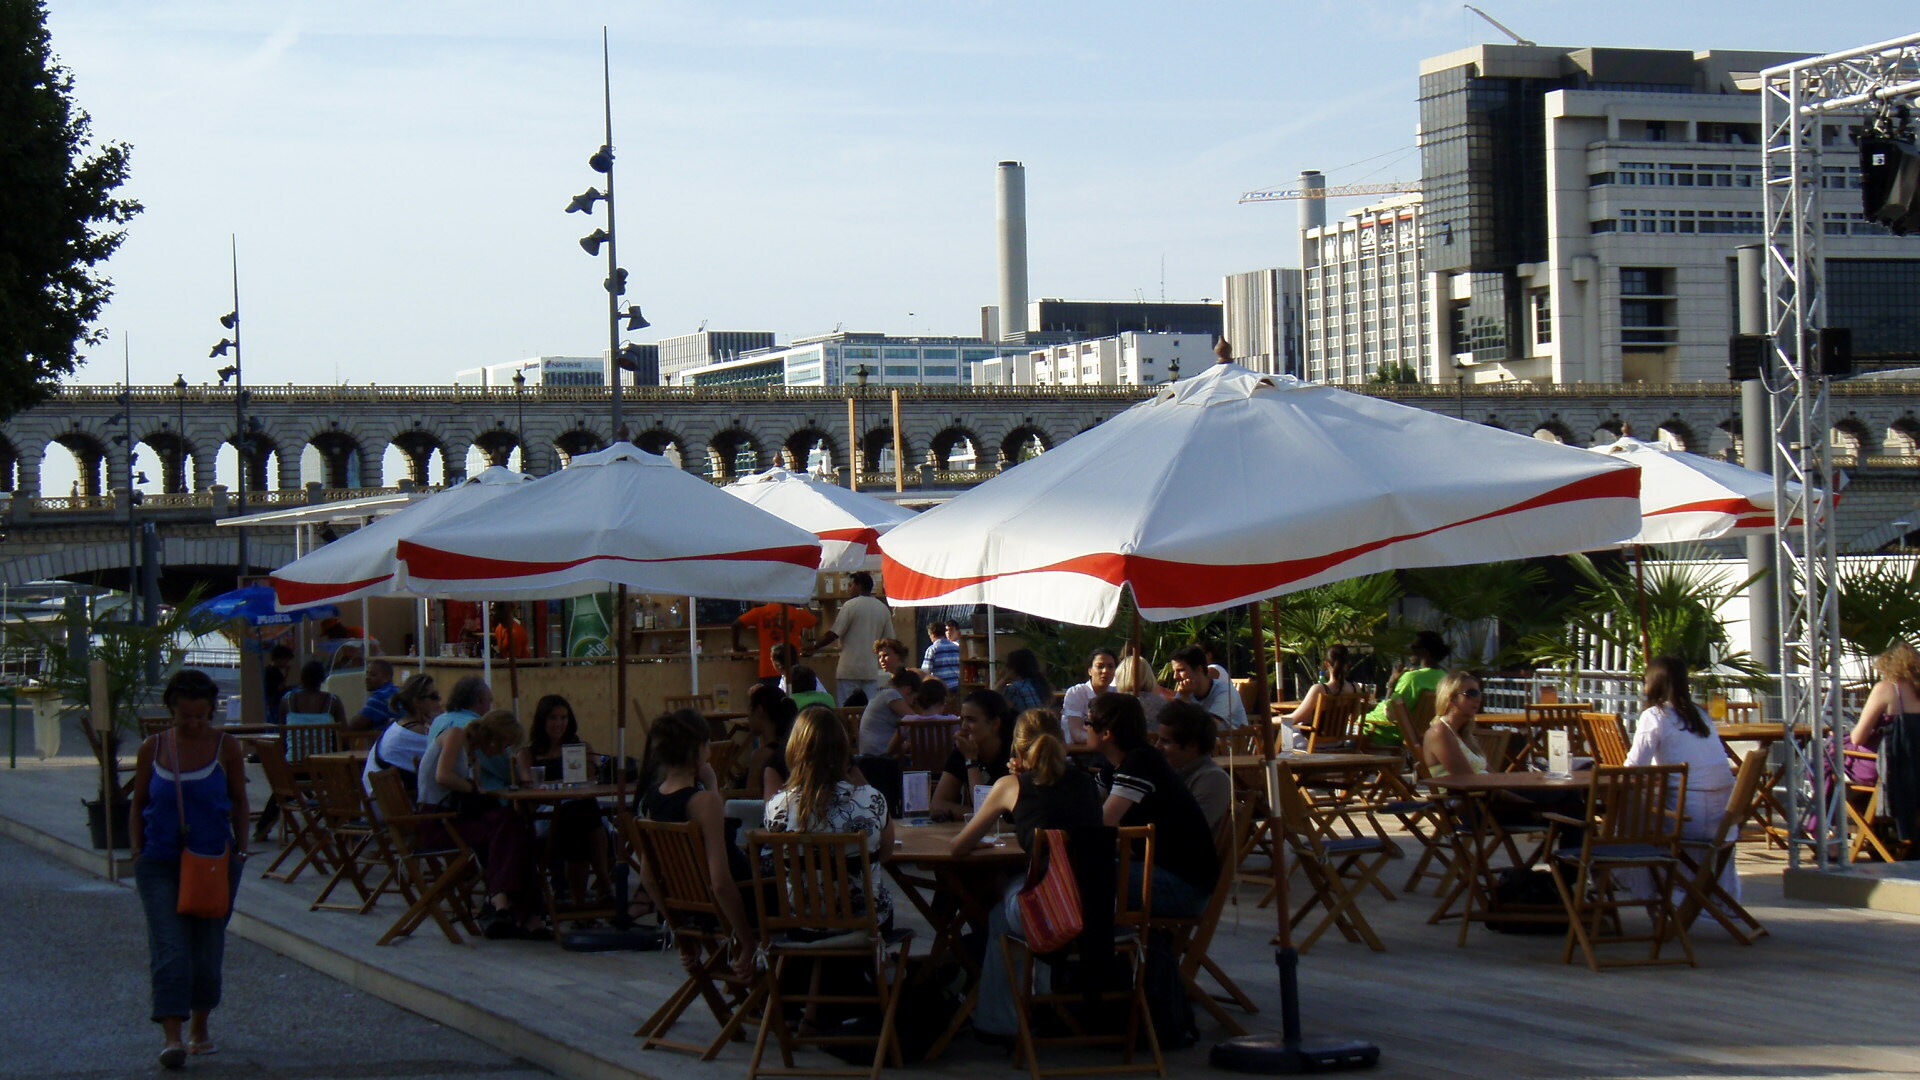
1132	358
1366	303
1263	317
706	347
1579	217
838	358
538	371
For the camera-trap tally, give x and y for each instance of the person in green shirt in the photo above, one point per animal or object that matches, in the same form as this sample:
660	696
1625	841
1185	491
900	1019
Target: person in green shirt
1428	651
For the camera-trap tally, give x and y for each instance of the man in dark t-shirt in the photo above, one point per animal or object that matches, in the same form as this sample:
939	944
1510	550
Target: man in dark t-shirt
1146	791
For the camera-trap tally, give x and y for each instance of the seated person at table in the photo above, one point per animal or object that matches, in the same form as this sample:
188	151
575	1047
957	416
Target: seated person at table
498	835
378	710
1673	730
1894	700
311	703
1146	791
1450	748
1428	651
880	720
466	702
770	716
677	745
805	687
980	749
1073	709
1024	684
929	700
405	740
1185	736
1135	676
1041	792
891	654
579	837
1333	670
1215	693
819	797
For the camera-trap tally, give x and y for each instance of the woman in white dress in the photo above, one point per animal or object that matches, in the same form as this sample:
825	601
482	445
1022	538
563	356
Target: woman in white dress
1675	731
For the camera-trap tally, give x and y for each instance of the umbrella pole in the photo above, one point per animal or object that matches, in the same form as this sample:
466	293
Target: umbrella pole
620	697
1640	599
513	670
486	643
1263	709
693	644
1133	635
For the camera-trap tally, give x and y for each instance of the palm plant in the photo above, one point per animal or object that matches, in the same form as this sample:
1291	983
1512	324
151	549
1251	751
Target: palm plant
1879	605
1682	599
1350	612
1513	595
130	650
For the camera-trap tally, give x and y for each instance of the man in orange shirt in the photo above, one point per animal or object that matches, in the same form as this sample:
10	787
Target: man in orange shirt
508	627
765	623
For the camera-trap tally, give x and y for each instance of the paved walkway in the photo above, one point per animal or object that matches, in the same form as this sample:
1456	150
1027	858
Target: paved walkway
1822	996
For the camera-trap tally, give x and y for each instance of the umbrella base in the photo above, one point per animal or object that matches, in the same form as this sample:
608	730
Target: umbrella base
1274	1055
636	939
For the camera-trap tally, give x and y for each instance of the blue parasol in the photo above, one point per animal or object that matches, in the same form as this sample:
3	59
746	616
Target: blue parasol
253	604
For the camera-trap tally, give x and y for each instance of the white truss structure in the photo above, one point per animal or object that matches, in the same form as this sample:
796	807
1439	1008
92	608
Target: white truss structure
1797	101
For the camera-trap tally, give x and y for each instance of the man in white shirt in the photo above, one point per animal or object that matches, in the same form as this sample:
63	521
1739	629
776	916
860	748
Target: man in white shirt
862	621
1073	711
1196	683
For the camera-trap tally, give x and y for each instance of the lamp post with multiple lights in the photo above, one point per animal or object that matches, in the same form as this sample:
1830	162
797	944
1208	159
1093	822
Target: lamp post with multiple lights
231	320
616	284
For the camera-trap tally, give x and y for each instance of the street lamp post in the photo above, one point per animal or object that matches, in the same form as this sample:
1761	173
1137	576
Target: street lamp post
231	320
520	413
616	284
180	481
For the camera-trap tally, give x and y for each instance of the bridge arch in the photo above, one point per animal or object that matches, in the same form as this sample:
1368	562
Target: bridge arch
957	441
796	450
495	446
732	452
1850	436
1903	437
1025	441
573	442
343	459
1676	434
1552	430
89	454
9	465
664	441
1607	431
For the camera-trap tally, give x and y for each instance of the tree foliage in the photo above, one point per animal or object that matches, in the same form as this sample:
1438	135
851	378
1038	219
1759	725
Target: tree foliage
1683	601
1879	605
59	217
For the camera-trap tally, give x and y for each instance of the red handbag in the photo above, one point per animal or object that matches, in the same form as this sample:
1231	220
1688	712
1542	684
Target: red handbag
1050	900
205	890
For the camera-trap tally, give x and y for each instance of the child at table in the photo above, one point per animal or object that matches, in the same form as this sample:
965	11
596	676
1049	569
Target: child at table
678	745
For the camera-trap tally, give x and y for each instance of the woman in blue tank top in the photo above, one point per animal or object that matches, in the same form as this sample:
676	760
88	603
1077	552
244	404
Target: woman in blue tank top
189	793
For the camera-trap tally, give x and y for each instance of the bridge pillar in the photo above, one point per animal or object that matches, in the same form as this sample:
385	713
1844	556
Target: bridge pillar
454	460
26	475
203	472
287	468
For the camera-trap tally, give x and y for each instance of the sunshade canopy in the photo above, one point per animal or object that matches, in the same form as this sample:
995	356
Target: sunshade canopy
254	605
1233	486
1688	497
365	563
847	522
620	516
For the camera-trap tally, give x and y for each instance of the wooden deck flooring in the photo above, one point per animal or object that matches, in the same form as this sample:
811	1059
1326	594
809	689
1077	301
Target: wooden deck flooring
1823	996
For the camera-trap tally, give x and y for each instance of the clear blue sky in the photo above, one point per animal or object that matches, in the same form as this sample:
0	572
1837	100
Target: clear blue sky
395	173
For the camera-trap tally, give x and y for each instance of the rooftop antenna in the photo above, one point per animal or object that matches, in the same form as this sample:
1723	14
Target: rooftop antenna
1500	26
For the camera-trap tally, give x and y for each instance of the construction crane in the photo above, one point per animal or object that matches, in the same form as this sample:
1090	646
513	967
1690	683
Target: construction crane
1500	26
1337	191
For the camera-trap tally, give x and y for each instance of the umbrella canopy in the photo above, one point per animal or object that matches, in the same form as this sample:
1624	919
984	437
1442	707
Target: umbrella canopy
364	563
1688	497
254	604
1234	486
847	522
620	516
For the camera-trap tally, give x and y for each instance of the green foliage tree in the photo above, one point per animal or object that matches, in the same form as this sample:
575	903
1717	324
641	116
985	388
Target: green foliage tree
127	649
1513	594
1349	612
59	218
1394	375
1879	605
1683	603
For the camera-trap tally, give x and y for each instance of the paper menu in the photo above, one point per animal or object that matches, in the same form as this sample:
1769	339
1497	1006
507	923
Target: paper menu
916	792
1559	757
573	764
980	792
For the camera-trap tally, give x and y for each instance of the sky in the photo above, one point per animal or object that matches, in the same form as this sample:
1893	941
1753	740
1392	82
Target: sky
394	175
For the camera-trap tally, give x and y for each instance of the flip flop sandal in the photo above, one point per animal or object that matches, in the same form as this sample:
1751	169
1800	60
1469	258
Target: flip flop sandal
173	1057
202	1048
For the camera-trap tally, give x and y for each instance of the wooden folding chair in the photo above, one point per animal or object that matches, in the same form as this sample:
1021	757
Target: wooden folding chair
1542	718
1429	821
355	846
700	703
1336	719
1337	868
1744	712
1706	860
299	812
1130	923
1605	740
851	718
433	881
1864	816
673	861
812	908
1191	937
927	742
299	740
1628	826
1248	741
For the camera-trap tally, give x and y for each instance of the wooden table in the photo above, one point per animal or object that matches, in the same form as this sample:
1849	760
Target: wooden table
955	898
1766	809
358	757
542	800
1475	848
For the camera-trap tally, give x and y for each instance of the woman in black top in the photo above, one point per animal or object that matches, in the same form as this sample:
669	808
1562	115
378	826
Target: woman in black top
1041	792
1146	791
579	837
770	716
678	745
980	751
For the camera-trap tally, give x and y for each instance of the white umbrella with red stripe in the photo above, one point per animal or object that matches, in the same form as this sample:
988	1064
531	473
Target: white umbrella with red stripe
619	516
1234	486
1687	497
847	522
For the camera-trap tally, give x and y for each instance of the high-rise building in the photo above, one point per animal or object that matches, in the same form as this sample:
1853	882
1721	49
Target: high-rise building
704	347
837	358
1581	208
1264	319
1128	359
538	371
1368	310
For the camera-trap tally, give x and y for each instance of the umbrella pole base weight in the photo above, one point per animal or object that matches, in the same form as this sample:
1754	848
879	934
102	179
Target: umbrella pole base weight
1288	1053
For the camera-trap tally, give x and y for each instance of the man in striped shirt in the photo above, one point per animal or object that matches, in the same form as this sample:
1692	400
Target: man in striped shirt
942	659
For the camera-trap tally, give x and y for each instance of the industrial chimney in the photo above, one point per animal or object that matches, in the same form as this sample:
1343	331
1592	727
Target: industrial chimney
1313	209
1010	186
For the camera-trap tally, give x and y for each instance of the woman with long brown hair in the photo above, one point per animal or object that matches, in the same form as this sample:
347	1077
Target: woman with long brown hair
819	797
1673	730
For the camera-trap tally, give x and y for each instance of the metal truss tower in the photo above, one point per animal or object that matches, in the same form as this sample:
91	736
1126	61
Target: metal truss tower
1804	107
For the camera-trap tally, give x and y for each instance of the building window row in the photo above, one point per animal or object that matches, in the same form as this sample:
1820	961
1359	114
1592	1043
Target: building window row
1678	174
1743	222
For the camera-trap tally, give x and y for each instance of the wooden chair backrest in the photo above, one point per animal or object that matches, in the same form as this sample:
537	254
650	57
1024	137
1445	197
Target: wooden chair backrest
299	740
1560	716
1415	741
1605	740
1494	746
1249	692
1421	714
1295	812
1628	804
675	855
1744	712
1246	742
851	718
728	759
928	741
154	725
700	703
1746	784
390	798
281	779
336	785
812	882
1135	846
1335	718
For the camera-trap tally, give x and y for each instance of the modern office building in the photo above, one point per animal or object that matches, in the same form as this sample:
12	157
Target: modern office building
1368	310
1263	317
1129	359
838	358
706	347
539	371
1580	212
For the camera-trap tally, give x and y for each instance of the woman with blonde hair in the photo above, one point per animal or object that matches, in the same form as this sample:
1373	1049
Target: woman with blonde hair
1449	748
820	798
1040	791
1135	676
450	780
1895	698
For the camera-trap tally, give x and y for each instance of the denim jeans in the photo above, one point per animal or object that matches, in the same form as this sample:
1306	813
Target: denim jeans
184	953
1173	896
994	1013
